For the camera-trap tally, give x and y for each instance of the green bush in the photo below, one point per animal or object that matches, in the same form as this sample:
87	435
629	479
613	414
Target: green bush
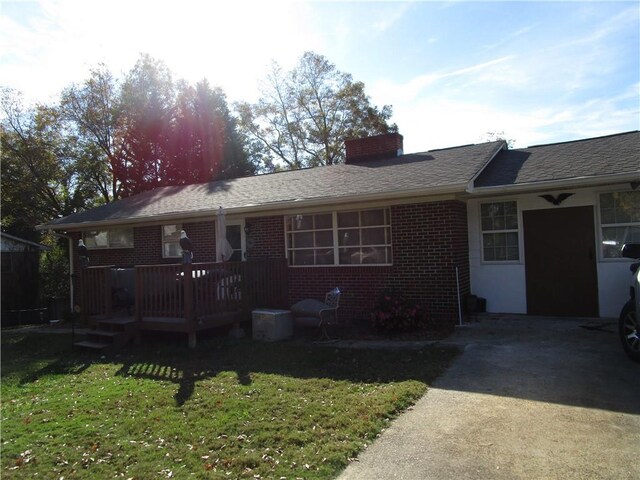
54	269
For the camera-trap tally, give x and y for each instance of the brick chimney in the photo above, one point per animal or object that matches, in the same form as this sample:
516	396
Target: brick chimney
387	145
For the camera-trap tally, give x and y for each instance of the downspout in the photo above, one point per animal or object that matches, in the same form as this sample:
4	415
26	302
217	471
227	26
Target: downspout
71	266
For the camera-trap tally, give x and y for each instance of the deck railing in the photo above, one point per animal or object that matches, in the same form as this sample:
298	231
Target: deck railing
162	290
95	291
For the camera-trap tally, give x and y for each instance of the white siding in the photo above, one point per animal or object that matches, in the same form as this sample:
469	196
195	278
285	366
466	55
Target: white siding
504	285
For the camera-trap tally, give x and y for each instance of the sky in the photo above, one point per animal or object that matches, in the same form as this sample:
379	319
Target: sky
539	72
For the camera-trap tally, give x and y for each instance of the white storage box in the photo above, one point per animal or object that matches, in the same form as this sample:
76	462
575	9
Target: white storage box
272	325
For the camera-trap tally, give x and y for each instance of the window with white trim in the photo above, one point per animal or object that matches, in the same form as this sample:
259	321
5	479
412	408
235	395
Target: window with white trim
171	241
339	238
619	221
364	237
500	236
112	238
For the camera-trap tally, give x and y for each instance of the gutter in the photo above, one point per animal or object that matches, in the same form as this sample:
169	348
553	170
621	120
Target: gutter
554	184
261	208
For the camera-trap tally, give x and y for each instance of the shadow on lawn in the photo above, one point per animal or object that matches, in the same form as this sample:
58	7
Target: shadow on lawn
167	361
185	377
26	357
246	357
63	366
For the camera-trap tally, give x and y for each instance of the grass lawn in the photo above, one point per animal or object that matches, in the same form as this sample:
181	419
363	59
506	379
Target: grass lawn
228	409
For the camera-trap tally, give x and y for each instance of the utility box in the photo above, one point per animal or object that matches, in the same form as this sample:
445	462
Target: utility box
272	325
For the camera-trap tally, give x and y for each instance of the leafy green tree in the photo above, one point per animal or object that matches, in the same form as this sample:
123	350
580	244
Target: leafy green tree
146	131
39	179
203	142
93	112
304	116
147	99
54	268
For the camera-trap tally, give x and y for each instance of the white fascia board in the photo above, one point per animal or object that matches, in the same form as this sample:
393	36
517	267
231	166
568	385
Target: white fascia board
264	209
555	184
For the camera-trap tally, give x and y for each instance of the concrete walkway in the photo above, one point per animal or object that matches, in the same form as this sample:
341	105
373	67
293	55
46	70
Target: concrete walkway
530	398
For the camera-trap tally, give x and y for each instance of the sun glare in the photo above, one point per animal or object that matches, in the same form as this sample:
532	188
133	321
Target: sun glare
229	43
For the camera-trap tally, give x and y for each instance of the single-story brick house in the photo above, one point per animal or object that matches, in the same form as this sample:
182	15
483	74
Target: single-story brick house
534	230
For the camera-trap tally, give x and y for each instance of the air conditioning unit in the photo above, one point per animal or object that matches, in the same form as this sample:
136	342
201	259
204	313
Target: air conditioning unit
271	325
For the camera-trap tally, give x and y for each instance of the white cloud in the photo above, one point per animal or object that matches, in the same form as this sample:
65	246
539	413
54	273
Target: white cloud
408	91
229	43
536	93
388	17
441	123
508	38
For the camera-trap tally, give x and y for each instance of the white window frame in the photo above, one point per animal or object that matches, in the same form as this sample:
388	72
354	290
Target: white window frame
109	245
602	226
505	231
335	236
163	241
243	236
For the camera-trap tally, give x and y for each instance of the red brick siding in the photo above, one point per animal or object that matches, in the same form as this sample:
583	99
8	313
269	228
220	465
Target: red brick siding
360	286
203	238
378	146
265	238
429	241
147	247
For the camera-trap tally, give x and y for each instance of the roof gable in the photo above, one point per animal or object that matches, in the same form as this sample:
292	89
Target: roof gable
593	157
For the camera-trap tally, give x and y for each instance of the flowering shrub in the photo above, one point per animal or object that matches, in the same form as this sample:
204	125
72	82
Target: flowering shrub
393	313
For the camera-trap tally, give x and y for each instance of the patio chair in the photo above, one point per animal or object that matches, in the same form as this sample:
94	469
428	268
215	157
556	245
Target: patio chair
314	313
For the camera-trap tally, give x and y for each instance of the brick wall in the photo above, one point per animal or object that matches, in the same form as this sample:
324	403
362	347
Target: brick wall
147	247
386	145
265	238
429	241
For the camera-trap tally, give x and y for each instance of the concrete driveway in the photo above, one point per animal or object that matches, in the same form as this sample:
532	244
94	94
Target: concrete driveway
529	398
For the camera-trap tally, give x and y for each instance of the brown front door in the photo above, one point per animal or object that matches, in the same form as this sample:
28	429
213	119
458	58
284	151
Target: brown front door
560	264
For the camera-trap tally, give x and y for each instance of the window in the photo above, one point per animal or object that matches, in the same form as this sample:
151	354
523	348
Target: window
113	238
310	239
619	220
339	238
364	237
500	239
171	241
234	237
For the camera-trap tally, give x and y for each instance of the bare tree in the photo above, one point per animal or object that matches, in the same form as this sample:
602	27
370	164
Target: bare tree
304	116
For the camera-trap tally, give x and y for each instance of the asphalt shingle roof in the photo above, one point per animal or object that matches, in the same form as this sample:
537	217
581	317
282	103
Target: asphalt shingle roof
582	158
432	170
412	174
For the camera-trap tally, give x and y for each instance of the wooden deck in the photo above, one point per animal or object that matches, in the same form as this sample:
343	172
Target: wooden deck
183	298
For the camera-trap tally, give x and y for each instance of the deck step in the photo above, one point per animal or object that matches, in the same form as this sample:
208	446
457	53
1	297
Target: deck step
93	345
104	333
117	321
102	336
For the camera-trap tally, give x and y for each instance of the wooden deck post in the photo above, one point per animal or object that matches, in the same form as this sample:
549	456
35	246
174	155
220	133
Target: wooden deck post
108	307
81	289
137	303
189	316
